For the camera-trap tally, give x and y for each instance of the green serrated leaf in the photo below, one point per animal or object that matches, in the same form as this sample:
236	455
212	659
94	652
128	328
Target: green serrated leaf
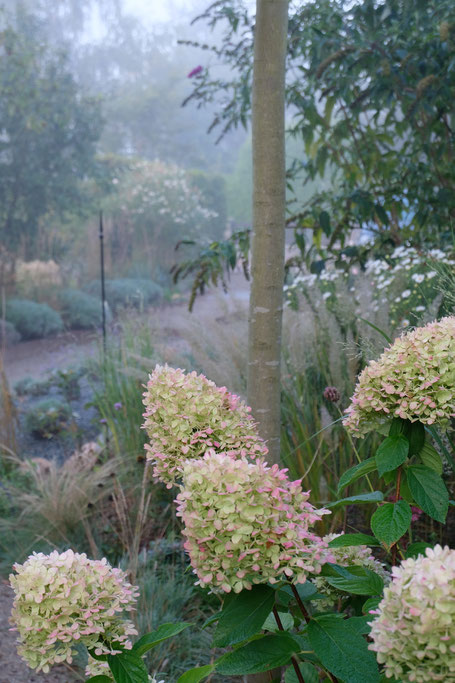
416	438
428	491
287	621
357	580
392	453
370	604
342	650
260	655
373	497
353	473
128	667
150	640
431	458
347	540
244	615
391	521
360	624
308	671
417	548
197	674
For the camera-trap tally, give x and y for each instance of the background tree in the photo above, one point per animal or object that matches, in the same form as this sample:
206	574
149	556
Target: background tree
49	131
370	94
269	196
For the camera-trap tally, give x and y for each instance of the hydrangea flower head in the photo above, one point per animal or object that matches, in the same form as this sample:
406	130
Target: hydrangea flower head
64	599
187	414
246	523
413	379
357	555
413	634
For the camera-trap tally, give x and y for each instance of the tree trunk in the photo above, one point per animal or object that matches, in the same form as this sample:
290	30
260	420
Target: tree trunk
267	264
269	189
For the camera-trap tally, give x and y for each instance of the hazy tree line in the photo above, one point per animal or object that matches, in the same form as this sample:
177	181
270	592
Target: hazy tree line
85	89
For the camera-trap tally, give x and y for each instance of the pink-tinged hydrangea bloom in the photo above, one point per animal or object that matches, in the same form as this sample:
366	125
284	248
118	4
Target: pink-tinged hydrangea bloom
355	555
413	634
65	599
246	523
413	379
187	414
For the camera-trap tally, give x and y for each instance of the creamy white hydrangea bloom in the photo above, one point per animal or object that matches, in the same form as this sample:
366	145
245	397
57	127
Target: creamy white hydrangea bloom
413	634
65	598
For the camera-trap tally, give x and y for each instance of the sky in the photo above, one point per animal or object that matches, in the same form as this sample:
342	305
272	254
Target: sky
151	11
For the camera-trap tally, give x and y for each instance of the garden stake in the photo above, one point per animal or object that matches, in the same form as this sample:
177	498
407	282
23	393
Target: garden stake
295	662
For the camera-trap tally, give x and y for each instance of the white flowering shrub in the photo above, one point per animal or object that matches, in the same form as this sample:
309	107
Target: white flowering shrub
154	205
407	283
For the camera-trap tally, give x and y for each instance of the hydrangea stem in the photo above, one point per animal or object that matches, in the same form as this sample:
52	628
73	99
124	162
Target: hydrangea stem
307	618
294	659
397	497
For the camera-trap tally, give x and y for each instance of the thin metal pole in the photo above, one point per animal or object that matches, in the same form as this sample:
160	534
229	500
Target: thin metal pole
103	290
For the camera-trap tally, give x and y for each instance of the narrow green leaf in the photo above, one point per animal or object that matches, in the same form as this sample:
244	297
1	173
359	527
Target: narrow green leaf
308	671
260	655
373	497
392	453
353	473
342	650
428	491
391	521
99	679
346	540
150	640
128	668
197	674
378	329
244	615
415	549
431	458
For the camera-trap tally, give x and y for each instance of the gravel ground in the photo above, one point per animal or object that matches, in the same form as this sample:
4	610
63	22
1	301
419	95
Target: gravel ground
12	668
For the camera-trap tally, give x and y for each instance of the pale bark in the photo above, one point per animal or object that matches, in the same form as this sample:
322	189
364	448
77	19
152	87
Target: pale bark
267	258
269	188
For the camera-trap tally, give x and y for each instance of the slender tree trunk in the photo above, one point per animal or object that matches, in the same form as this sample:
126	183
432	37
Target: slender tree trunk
267	266
269	188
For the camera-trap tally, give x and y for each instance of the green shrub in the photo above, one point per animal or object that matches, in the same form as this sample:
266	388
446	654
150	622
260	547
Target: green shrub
27	386
80	311
8	333
134	292
47	418
33	320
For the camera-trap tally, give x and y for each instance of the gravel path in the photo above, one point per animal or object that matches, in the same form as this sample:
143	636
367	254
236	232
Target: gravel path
12	668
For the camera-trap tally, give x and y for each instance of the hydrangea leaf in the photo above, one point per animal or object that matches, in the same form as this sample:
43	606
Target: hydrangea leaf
392	453
260	655
128	668
196	675
244	615
353	473
391	521
429	491
150	640
342	650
